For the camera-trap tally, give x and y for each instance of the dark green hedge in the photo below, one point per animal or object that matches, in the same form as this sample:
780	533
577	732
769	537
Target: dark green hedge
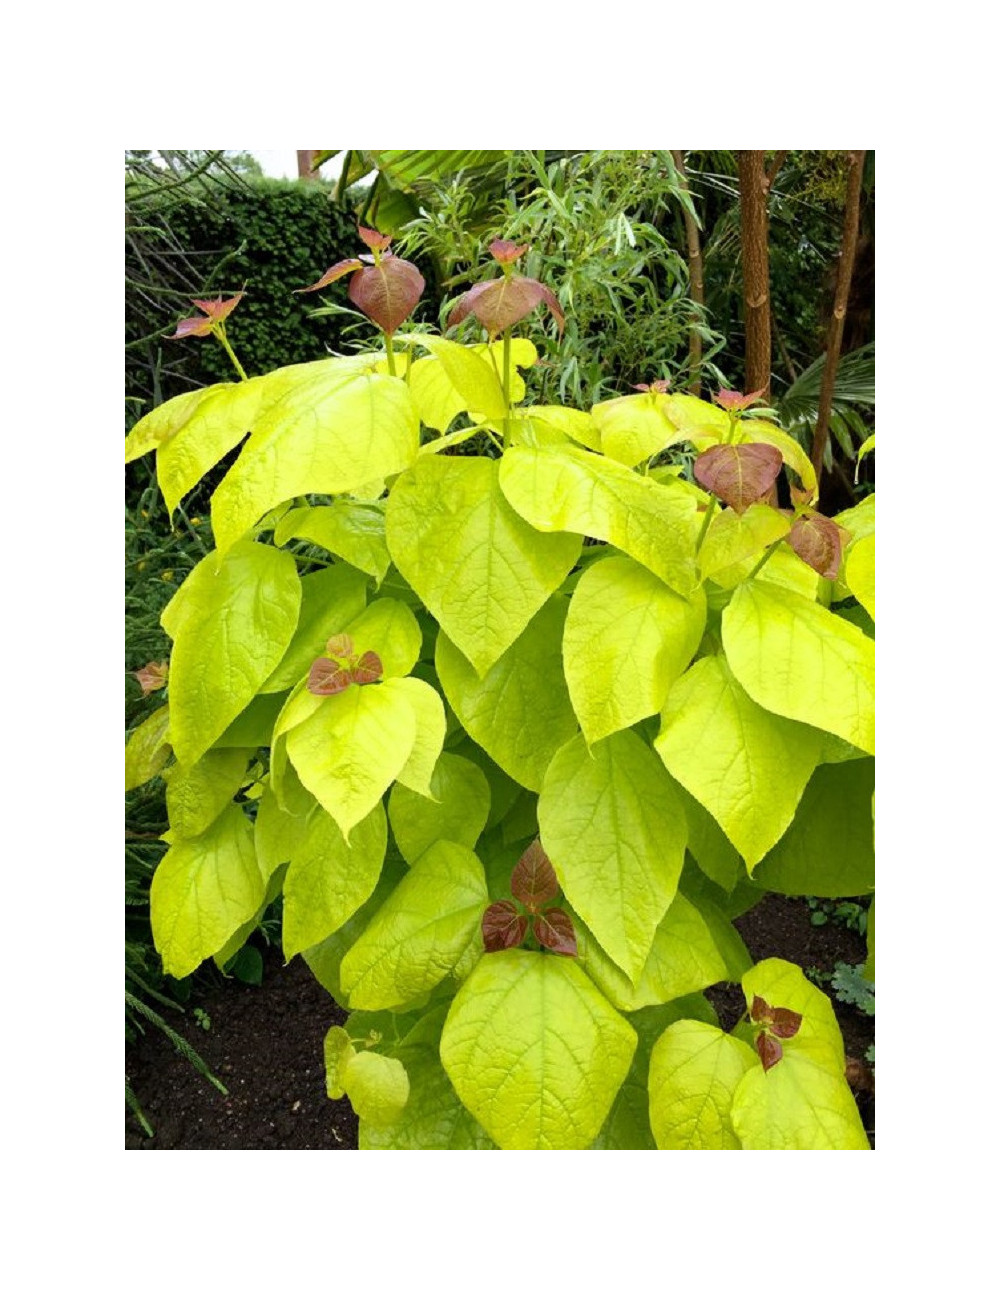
270	237
282	236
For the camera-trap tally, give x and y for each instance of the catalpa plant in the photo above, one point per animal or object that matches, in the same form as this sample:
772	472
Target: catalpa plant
516	735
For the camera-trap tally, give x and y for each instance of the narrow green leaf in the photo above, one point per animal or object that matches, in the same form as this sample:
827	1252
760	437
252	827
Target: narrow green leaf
535	1052
327	881
800	661
479	568
520	711
615	832
231	623
573	491
203	890
421	930
628	638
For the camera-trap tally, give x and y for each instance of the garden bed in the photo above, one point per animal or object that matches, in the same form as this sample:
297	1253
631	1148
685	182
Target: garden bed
266	1045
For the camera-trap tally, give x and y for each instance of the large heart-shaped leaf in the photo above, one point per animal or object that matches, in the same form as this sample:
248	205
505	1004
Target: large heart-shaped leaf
333	434
520	711
570	490
419	932
535	1052
614	828
747	766
202	892
231	623
628	638
478	567
327	880
798	660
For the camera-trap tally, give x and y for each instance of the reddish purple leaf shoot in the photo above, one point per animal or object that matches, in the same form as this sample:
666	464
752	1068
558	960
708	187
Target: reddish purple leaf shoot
554	930
533	881
152	678
503	926
739	475
730	400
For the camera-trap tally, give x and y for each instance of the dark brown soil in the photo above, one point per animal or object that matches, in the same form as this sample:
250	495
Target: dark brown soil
266	1045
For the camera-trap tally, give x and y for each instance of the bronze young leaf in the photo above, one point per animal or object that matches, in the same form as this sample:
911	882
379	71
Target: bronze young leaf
503	926
768	1049
327	677
818	541
533	881
340	646
498	304
386	288
739	475
554	929
216	310
367	669
730	400
387	292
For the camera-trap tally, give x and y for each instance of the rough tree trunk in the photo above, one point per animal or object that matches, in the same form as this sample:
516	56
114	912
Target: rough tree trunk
754	189
305	159
697	277
835	334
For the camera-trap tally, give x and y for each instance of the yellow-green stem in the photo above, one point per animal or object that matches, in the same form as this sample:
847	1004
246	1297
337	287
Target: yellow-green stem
506	385
220	333
704	524
391	356
763	560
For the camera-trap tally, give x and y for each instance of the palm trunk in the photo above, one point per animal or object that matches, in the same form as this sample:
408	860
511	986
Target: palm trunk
697	277
835	334
754	189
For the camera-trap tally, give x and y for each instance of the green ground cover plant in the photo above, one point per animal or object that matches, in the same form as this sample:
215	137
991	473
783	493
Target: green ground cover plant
515	735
